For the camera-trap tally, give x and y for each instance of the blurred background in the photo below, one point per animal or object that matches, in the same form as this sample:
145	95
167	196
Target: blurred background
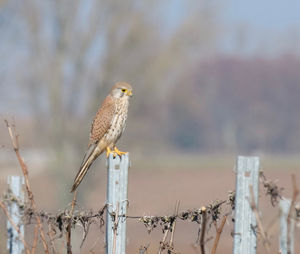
211	80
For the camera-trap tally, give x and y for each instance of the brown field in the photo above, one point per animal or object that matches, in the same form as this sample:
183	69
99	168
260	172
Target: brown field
154	187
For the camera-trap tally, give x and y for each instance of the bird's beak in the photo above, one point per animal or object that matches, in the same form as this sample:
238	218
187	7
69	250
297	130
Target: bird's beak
129	93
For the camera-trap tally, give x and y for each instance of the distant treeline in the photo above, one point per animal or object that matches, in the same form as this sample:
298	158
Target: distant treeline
232	104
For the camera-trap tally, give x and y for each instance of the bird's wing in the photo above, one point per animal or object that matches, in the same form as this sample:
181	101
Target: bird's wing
103	119
100	126
101	123
88	153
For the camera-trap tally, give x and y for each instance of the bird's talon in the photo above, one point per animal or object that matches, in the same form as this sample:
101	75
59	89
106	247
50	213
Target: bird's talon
108	152
118	152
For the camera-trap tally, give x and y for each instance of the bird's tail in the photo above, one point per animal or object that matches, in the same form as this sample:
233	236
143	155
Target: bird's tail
91	154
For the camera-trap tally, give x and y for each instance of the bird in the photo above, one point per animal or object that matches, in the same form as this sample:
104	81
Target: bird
107	128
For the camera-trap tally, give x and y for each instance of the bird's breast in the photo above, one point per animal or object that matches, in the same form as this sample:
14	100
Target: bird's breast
118	122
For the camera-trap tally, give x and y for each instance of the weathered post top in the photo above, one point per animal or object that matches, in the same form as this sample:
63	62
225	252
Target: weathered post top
117	184
286	246
14	244
247	173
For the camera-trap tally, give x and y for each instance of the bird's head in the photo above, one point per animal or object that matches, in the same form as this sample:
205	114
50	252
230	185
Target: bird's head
121	89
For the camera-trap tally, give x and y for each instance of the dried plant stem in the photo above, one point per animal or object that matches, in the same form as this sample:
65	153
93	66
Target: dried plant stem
163	242
69	246
35	239
174	224
50	234
289	217
218	235
203	227
15	227
258	220
15	143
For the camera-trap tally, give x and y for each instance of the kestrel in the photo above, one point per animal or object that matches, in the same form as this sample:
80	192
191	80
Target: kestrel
107	127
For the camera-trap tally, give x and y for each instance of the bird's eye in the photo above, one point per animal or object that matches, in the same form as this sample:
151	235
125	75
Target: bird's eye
123	90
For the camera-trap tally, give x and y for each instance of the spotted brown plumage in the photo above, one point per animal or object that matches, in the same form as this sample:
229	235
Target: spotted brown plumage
107	127
103	119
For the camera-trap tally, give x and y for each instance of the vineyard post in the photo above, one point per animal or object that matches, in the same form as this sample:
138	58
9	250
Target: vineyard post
116	200
284	205
247	172
14	244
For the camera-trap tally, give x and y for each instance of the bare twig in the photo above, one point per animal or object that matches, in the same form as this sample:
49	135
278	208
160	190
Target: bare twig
15	227
15	142
258	220
169	223
218	235
163	242
174	224
289	217
203	227
69	227
51	238
35	239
